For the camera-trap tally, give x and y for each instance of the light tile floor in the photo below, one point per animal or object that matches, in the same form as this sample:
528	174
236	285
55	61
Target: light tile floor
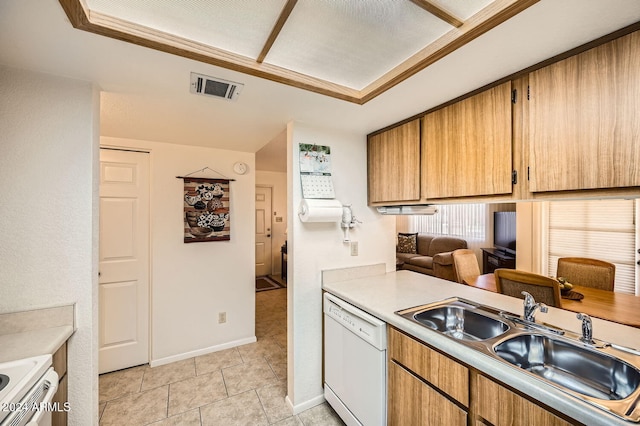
243	386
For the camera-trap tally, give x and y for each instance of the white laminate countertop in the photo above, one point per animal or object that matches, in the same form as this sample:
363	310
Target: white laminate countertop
384	294
35	332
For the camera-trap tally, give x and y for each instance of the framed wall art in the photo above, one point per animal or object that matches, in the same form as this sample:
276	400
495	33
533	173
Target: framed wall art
206	210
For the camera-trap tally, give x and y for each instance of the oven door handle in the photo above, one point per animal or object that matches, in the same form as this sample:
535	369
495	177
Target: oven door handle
52	378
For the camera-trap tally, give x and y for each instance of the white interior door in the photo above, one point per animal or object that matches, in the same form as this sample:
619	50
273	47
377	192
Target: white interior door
263	230
124	260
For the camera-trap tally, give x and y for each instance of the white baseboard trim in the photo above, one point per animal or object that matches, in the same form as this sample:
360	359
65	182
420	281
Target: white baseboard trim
204	351
305	405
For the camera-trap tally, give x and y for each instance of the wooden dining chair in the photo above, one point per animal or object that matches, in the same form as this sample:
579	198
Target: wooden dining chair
513	282
587	272
465	265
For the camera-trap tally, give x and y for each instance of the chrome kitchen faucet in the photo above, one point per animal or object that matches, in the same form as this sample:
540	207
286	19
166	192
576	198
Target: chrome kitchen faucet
530	307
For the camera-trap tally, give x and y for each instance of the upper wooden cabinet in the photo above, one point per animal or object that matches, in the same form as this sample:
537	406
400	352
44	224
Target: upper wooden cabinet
467	146
575	135
583	119
393	161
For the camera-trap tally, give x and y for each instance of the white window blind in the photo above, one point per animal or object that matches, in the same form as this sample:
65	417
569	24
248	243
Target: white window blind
466	221
598	229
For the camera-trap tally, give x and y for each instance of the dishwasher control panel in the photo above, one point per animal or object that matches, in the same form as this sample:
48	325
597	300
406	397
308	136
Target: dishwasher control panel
366	326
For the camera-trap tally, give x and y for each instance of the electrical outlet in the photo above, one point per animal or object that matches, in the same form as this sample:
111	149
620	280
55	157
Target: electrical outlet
222	317
354	248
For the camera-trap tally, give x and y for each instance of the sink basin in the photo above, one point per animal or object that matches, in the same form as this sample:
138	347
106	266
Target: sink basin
571	366
458	319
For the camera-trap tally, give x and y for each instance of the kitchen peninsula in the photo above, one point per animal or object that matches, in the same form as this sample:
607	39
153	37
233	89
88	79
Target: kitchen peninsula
383	294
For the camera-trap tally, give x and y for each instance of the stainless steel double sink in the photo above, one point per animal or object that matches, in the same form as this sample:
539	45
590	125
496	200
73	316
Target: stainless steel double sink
606	376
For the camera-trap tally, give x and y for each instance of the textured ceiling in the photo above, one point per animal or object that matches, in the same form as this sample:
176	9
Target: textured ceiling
145	93
353	50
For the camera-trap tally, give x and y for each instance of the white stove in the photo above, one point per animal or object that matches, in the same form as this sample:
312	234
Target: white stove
26	387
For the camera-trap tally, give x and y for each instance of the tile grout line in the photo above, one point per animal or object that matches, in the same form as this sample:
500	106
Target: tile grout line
262	406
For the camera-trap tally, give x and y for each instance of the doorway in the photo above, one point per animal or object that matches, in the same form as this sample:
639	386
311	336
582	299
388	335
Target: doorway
264	249
123	285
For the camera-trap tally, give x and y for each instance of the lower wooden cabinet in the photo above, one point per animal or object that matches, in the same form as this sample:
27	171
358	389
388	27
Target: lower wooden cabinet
433	367
426	387
59	418
412	402
499	406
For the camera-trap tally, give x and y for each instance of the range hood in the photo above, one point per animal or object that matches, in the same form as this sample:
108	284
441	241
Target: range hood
417	209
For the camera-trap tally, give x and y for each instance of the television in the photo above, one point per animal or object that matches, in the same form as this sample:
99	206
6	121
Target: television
504	231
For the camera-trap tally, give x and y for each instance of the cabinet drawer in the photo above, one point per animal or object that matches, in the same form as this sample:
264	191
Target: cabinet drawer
411	402
499	406
437	369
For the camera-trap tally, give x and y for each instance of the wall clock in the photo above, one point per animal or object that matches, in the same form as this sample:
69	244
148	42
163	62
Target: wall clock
240	168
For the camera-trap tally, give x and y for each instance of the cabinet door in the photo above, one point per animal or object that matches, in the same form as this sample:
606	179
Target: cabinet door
583	119
394	164
467	146
499	406
443	372
412	402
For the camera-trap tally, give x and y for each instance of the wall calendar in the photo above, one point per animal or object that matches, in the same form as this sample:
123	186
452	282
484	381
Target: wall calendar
315	171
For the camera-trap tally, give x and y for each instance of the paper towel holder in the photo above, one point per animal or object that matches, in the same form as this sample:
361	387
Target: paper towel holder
310	206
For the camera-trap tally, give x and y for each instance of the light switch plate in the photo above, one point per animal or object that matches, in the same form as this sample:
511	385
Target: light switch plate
353	245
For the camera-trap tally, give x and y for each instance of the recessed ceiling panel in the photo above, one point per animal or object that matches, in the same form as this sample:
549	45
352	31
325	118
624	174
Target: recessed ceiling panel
463	9
238	26
352	50
353	43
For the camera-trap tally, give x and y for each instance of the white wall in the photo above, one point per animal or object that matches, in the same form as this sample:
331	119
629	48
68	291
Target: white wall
277	181
314	247
48	212
530	238
192	283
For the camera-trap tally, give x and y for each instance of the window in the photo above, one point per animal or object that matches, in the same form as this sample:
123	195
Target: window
466	221
471	222
598	229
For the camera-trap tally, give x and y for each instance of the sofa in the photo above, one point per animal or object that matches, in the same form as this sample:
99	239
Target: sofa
428	254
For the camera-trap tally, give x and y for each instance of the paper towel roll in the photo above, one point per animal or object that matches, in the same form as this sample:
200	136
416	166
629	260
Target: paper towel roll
312	210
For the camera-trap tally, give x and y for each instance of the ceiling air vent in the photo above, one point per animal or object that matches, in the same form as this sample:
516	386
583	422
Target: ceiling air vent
216	87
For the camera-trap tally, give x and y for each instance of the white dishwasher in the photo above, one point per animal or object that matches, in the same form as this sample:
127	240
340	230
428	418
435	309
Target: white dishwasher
355	363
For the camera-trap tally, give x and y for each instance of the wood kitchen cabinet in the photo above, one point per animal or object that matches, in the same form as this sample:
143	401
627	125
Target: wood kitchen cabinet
425	387
393	162
572	133
416	403
583	120
467	146
59	418
499	406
